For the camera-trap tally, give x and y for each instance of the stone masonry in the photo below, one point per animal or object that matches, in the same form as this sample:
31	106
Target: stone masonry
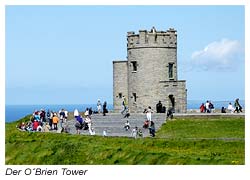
149	75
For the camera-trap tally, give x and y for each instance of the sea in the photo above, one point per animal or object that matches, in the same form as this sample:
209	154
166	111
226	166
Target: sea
16	112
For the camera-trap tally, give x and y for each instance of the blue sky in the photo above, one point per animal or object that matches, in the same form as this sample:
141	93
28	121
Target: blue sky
64	54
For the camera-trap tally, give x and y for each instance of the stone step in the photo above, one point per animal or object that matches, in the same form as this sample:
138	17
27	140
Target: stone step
113	124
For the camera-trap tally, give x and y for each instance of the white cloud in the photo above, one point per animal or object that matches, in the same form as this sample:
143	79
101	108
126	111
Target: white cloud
219	55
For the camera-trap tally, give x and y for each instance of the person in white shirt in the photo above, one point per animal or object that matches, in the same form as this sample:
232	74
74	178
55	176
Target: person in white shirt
66	115
230	107
86	112
89	122
76	113
134	132
149	113
104	133
99	106
127	126
207	107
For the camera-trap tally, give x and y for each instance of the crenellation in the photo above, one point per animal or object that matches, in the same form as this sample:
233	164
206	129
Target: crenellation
130	33
152	39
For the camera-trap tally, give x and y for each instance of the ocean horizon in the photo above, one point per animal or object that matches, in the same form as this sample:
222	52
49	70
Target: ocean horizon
16	112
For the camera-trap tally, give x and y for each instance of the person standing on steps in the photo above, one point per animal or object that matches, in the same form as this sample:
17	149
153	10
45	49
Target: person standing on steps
127	126
104	133
124	105
127	114
152	129
104	108
140	133
134	132
149	112
78	124
99	106
86	113
159	107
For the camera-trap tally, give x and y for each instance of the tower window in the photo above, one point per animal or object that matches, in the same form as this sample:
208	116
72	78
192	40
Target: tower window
134	66
134	96
120	95
170	70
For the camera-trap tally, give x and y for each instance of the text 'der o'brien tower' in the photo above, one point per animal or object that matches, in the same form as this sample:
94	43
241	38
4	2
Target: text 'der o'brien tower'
149	75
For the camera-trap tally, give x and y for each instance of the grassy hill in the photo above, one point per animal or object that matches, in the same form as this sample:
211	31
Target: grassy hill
203	140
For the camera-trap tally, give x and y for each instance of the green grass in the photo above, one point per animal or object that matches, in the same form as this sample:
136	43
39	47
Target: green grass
205	127
179	141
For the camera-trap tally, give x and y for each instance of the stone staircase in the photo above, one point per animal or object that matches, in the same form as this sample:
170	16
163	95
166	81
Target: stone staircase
113	124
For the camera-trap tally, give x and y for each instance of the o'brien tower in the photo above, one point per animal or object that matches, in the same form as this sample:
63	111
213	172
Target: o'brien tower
150	73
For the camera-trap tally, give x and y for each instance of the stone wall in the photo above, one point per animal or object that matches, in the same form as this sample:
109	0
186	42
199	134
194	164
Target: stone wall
179	92
120	83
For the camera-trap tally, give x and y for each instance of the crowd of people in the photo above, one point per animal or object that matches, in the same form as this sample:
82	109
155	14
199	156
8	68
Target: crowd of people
137	132
43	121
54	121
84	122
148	124
208	107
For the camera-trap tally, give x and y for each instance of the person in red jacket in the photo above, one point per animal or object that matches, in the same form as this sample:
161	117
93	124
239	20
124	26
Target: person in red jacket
202	108
35	125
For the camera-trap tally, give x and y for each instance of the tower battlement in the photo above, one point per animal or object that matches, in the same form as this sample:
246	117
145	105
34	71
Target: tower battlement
152	38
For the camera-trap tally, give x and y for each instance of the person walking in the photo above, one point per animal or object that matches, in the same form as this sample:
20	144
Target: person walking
237	106
152	129
124	105
127	113
207	107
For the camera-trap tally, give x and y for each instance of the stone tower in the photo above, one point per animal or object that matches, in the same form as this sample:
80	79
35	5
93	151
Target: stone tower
150	73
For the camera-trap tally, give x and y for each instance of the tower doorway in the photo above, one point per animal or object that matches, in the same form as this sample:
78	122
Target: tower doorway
172	101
